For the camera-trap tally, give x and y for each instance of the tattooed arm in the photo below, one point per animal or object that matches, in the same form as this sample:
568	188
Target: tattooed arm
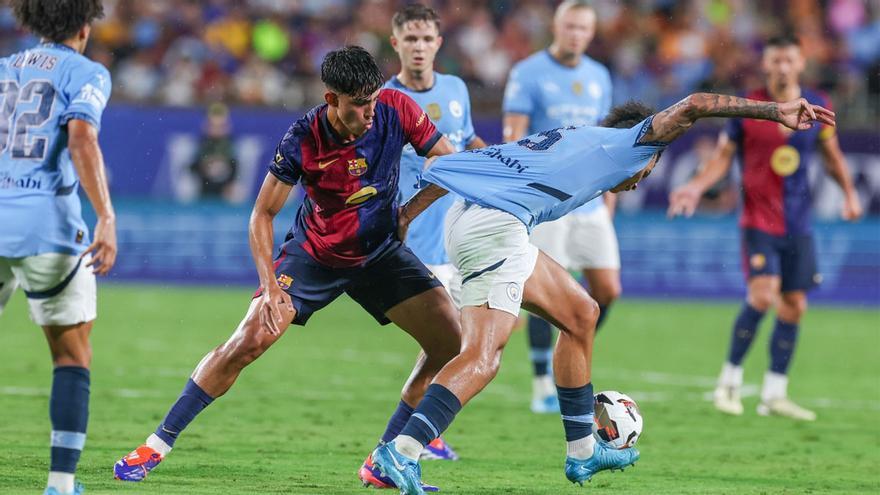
671	123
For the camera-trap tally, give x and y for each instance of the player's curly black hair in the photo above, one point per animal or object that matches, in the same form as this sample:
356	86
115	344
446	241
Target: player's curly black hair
57	20
351	71
415	12
627	115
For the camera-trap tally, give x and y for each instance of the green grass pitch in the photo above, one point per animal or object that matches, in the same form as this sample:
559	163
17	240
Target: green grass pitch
302	418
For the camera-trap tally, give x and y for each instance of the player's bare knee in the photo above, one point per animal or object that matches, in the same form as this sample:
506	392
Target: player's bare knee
762	300
792	309
585	317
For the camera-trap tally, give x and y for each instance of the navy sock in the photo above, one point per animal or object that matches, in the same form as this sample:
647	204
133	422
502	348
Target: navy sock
576	406
433	414
69	412
397	422
540	344
190	403
744	330
782	346
603	313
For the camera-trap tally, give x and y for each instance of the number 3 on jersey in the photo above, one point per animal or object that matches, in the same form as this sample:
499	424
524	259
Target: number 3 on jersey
12	95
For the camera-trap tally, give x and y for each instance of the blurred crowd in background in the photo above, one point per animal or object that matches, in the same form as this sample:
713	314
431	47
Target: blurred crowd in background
268	52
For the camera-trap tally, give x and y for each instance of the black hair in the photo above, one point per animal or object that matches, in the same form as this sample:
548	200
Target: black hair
415	12
351	71
627	115
57	20
783	40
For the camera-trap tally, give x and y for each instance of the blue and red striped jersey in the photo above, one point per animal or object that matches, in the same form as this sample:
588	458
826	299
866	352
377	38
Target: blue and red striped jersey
349	214
775	186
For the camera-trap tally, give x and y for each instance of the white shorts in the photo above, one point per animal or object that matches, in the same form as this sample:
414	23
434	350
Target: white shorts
451	280
60	288
491	250
580	241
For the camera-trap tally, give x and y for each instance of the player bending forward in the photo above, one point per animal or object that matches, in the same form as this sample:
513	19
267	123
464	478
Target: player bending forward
506	191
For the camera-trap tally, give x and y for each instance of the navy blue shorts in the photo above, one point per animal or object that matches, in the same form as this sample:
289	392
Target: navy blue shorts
793	258
393	277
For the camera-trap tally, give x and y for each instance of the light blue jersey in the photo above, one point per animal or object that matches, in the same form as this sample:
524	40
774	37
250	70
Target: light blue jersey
553	95
546	175
448	105
41	89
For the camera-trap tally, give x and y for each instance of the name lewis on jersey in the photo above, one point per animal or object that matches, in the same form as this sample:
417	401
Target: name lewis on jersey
40	60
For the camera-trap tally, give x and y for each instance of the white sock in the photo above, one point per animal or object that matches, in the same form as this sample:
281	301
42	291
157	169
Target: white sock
731	376
775	386
581	448
408	446
157	444
63	482
543	386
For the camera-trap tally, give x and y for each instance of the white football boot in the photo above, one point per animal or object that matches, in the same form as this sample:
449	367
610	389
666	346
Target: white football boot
727	395
775	401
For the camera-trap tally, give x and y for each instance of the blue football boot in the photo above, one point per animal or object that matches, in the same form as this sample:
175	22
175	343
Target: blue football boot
404	472
604	457
78	489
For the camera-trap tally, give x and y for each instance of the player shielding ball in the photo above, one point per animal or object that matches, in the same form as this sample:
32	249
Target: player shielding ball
444	98
346	155
52	100
558	87
507	190
779	255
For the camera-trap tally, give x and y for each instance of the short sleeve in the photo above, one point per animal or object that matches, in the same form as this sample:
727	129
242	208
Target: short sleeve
518	93
607	96
87	90
286	166
417	127
468	132
734	130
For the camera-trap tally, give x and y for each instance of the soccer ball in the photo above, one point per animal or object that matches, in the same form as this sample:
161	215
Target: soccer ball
618	421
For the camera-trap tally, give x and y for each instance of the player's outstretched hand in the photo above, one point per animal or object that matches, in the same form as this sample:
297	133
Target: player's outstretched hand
800	114
276	310
103	248
684	201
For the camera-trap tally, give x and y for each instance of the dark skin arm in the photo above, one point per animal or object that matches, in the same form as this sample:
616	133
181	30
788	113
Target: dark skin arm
89	163
671	123
275	304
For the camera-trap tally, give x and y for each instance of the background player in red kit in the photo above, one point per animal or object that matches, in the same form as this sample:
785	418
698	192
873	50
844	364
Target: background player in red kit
779	256
346	154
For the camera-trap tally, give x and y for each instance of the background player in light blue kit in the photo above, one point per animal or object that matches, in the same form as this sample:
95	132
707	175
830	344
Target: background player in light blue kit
558	87
52	99
506	191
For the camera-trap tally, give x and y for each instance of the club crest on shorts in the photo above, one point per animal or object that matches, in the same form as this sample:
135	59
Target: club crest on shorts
285	281
758	261
357	166
514	292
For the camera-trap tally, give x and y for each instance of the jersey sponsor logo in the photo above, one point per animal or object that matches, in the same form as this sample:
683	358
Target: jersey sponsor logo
456	109
434	111
325	164
7	182
785	160
357	167
285	281
758	261
361	196
493	152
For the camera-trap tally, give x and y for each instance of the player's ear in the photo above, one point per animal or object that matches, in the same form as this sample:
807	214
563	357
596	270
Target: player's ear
331	98
393	40
439	41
